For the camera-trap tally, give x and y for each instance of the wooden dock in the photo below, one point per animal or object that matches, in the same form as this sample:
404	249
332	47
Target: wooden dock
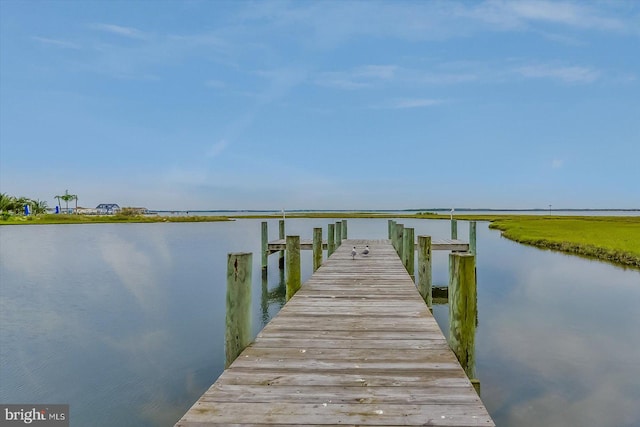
356	345
436	245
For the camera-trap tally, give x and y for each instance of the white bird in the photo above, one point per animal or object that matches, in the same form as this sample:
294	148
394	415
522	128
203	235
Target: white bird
366	250
353	253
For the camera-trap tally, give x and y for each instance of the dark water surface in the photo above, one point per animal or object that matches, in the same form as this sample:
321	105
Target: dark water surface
125	322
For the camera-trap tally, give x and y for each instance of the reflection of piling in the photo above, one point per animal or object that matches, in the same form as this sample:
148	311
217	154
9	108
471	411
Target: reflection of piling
454	229
281	236
338	240
344	229
238	319
265	243
317	248
424	269
293	266
408	250
463	309
472	238
331	244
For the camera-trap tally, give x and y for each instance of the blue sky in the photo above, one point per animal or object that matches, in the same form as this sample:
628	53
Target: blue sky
321	105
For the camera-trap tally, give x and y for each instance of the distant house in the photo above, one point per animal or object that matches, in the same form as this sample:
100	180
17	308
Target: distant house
85	211
107	209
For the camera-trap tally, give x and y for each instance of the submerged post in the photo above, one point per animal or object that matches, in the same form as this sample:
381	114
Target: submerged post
424	269
281	237
338	240
454	229
293	266
463	309
264	247
317	248
472	238
331	244
238	318
408	250
344	229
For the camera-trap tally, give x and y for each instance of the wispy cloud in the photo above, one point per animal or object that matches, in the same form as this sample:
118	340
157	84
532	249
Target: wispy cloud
217	148
557	163
56	42
565	74
357	78
129	32
406	103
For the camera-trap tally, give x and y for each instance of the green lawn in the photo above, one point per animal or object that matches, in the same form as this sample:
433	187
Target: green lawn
98	219
616	239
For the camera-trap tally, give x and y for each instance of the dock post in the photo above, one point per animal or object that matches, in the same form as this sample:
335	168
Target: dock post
281	237
424	269
238	318
331	244
293	266
317	248
472	238
264	247
399	237
408	251
391	224
338	240
344	229
454	229
463	309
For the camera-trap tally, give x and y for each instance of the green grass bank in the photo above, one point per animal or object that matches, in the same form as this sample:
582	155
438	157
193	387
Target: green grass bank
103	219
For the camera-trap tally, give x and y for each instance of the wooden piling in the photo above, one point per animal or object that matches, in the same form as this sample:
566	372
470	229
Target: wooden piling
293	266
344	230
463	309
281	236
331	244
424	269
399	237
263	247
338	239
408	250
238	318
472	238
454	229
391	223
317	248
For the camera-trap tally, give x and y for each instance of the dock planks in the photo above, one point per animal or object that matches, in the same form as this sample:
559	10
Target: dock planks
355	346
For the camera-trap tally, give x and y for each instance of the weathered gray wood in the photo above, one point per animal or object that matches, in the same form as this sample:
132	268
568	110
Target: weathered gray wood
356	345
293	266
238	317
281	237
463	309
472	239
408	250
390	224
399	237
344	229
424	269
317	248
436	245
264	245
331	244
454	229
338	239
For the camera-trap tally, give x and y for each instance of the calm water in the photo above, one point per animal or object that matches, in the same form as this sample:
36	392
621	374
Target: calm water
125	322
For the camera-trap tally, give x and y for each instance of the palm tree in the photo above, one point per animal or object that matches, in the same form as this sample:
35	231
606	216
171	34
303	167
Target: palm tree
39	206
67	197
7	202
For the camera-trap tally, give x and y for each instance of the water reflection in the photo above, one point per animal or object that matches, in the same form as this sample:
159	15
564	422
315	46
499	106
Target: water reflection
139	310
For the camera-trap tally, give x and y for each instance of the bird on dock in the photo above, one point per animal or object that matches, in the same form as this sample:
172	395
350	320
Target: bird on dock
353	253
366	250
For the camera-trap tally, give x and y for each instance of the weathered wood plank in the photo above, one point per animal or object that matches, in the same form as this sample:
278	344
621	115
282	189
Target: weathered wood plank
356	345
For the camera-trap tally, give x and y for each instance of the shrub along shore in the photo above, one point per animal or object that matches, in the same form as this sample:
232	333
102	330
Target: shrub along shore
611	238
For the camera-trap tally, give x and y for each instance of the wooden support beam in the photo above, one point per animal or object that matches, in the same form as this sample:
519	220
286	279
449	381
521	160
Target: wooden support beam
238	318
293	266
317	248
424	269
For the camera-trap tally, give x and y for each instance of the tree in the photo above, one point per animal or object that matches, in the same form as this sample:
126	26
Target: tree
39	206
67	198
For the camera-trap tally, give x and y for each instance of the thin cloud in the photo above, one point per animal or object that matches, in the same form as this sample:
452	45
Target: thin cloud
217	148
565	74
129	32
357	78
406	103
55	42
557	163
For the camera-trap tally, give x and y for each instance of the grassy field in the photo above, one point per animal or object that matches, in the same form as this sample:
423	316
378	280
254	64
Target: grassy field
615	239
101	219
